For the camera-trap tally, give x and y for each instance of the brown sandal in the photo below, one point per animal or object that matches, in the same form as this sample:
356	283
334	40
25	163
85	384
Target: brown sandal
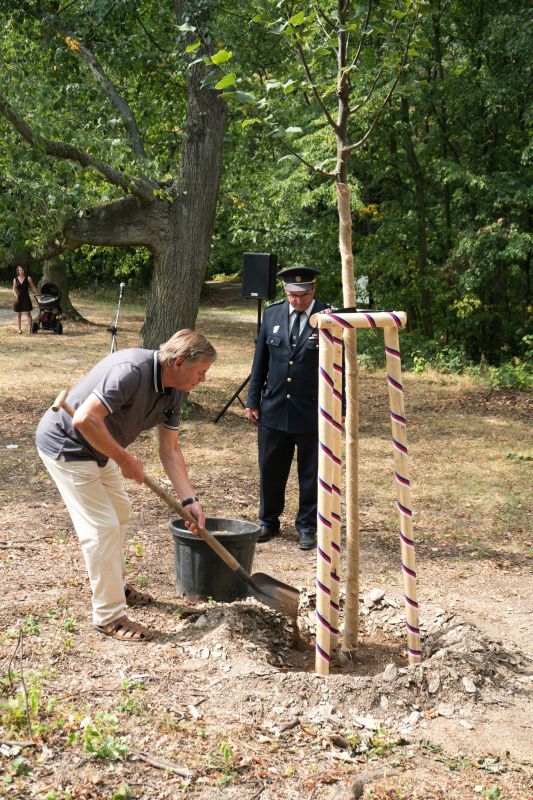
126	630
136	598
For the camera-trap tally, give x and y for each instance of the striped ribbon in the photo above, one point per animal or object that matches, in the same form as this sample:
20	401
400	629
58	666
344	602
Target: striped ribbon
329	479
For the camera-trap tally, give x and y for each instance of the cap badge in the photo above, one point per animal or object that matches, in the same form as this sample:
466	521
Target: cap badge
298	279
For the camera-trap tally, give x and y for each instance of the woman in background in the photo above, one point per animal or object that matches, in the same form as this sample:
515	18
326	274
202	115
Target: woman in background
21	293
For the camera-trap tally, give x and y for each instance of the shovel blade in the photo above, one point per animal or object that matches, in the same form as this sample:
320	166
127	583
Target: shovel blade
275	594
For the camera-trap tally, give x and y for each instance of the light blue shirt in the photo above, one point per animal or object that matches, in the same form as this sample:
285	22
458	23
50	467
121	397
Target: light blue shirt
303	318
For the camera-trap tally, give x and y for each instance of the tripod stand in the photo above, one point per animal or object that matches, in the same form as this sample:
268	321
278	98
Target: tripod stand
236	393
113	328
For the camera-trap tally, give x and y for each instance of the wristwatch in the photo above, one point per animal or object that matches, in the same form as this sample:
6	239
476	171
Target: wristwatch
189	501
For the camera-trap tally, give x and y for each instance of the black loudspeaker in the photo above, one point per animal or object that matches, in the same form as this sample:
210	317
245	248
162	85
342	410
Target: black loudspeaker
259	275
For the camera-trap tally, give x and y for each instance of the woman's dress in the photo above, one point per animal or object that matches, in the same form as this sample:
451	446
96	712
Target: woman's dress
23	303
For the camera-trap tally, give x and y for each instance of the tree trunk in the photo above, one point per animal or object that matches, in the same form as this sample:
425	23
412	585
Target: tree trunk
447	199
180	262
179	268
351	615
174	219
351	377
421	219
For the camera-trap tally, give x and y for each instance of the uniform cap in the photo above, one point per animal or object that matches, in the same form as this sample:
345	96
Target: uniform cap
298	279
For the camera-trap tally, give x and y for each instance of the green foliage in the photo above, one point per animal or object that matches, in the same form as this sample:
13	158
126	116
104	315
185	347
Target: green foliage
186	411
442	232
276	207
66	795
130	706
519	457
136	683
456	763
440	200
420	354
380	744
514	374
20	766
130	703
30	626
20	705
100	740
225	762
48	83
69	623
433	747
124	793
94	267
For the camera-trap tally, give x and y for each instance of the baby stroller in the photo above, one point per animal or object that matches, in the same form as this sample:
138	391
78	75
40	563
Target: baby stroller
49	309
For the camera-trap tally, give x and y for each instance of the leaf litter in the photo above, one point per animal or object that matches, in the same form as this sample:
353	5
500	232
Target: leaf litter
222	704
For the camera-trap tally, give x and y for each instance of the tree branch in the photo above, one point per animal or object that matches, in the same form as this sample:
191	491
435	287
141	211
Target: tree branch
313	87
323	21
380	71
360	105
445	133
161	763
53	249
349	148
304	161
119	223
359	49
140	188
116	100
50	250
320	12
67	6
149	35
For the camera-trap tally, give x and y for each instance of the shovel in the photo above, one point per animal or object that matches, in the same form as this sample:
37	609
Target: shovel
269	591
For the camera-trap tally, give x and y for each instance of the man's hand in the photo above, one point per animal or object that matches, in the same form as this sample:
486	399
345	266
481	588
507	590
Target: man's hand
131	467
198	513
252	415
88	419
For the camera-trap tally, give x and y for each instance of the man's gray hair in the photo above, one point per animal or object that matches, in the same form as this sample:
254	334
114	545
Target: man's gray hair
188	345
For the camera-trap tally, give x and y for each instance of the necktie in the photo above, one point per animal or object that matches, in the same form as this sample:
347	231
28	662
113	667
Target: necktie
295	329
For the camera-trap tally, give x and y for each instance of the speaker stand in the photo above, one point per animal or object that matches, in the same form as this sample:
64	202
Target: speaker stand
237	392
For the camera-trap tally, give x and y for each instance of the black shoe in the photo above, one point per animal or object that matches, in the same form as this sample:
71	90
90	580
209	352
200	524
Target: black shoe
307	541
267	533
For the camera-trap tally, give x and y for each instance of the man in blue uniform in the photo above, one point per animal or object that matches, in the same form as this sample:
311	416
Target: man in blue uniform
282	401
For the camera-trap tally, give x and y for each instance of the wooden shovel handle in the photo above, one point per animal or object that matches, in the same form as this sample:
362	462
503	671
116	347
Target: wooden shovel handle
175	505
171	502
61	402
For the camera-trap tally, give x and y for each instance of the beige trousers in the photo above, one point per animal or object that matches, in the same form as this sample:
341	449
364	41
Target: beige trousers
99	508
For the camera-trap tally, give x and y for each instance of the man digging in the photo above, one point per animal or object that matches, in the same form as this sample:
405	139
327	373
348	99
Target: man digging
124	394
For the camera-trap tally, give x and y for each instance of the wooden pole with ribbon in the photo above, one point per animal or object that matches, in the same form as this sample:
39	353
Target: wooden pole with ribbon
330	325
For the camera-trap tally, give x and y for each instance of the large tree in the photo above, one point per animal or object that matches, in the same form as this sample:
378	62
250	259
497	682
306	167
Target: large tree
112	135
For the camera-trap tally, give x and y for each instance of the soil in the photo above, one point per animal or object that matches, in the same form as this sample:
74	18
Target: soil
225	702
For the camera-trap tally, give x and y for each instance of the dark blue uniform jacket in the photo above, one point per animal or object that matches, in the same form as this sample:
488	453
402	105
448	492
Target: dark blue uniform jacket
284	383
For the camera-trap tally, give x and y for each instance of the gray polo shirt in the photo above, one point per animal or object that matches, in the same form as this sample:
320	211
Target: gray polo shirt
129	384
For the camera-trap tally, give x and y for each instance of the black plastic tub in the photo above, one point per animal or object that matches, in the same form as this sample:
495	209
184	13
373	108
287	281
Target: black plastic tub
200	572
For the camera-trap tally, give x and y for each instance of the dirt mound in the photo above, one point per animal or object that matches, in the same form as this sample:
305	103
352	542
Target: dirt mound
462	669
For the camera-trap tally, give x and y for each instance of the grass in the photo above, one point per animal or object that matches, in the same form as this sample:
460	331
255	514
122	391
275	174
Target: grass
470	470
465	485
